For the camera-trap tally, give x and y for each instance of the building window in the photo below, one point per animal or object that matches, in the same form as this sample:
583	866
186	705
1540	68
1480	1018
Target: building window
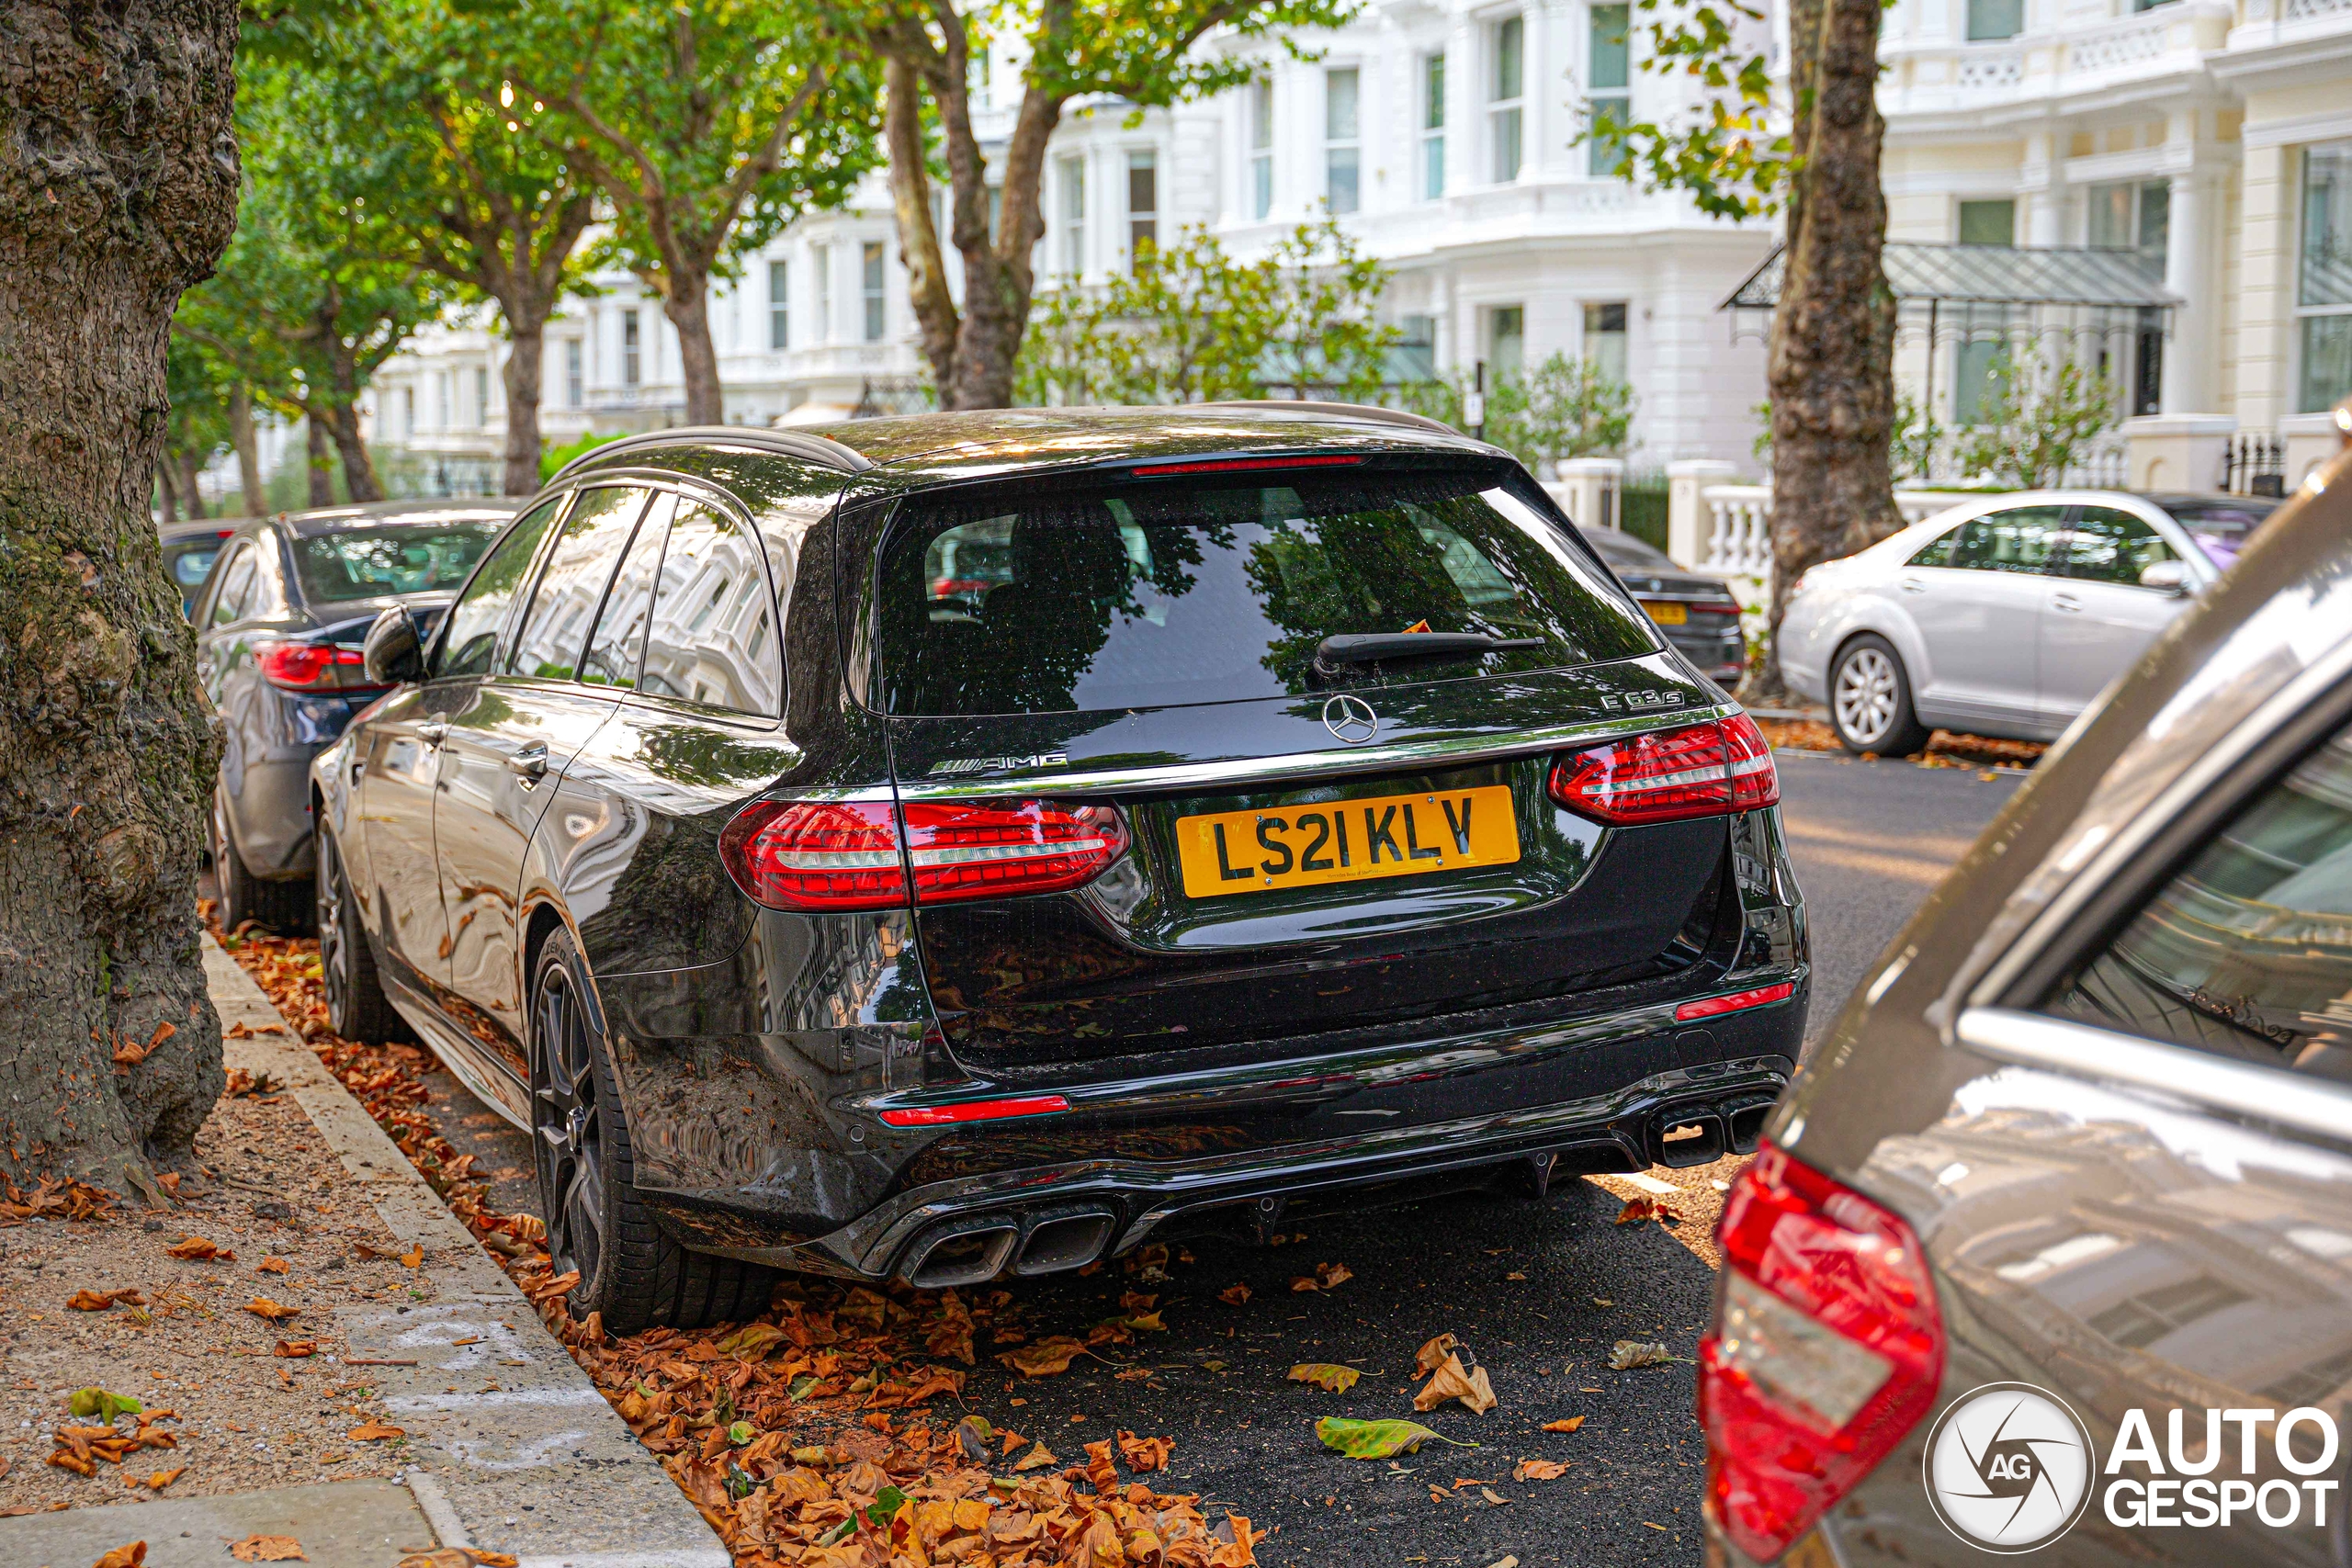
869	261
779	304
1143	203
1988	223
2323	279
1506	341
821	258
2133	215
1504	99
445	399
1415	354
481	395
1073	183
1261	149
1610	73
1604	338
1989	20
1432	127
1342	174
575	372
628	348
407	411
1973	361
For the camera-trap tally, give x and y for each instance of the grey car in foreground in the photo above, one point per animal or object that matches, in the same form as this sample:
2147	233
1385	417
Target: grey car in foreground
2049	1247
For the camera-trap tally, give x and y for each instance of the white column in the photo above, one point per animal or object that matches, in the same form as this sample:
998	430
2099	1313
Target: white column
2194	217
1688	522
2045	213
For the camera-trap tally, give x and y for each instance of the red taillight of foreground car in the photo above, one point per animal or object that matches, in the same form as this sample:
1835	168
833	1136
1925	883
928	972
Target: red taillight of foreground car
847	855
1826	1348
1700	769
311	666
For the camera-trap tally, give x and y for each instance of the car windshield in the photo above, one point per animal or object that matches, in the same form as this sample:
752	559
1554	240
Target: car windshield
2223	526
1158	594
1625	552
386	563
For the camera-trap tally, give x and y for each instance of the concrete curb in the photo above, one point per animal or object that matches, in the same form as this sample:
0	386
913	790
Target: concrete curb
514	1448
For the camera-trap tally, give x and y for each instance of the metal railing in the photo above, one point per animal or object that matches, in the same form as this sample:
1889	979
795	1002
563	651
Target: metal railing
2255	463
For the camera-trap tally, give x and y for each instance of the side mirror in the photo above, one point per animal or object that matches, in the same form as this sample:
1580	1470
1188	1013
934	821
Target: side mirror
392	656
2165	577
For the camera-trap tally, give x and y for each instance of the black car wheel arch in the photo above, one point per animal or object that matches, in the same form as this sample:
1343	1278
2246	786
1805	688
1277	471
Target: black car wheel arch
280	907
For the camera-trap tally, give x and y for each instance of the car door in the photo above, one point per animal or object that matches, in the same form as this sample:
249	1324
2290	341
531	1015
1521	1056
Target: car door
399	760
511	733
2100	617
1976	596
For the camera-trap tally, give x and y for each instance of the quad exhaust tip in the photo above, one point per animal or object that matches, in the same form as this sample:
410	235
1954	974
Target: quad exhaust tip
975	1250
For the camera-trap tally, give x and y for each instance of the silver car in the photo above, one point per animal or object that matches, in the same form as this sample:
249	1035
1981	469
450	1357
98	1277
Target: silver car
2005	616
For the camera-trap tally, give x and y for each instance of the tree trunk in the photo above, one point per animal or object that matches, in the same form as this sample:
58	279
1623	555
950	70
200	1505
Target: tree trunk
322	461
117	190
927	290
359	468
526	368
167	493
1832	356
191	490
240	436
688	304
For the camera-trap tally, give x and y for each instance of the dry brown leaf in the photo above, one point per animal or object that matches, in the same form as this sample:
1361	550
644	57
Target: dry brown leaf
1494	1498
414	1256
164	1478
1330	1276
1432	1355
131	1556
1036	1459
101	1301
272	1266
295	1350
1565	1423
1303	1283
374	1431
1639	1210
195	1250
269	1549
1046	1358
1539	1470
1627	1354
1329	1376
1234	1295
1145	1453
276	1312
1452	1381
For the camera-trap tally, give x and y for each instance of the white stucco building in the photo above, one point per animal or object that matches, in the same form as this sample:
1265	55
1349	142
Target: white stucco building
2207	142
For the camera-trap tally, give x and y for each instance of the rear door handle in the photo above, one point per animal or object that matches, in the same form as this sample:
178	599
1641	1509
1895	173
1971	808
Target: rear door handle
433	731
530	763
2067	603
1913	585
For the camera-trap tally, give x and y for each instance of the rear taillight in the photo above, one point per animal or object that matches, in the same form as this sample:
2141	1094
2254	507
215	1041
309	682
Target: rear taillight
807	854
311	666
1701	770
1827	1349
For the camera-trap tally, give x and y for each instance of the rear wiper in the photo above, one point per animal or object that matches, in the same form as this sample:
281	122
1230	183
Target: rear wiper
1378	648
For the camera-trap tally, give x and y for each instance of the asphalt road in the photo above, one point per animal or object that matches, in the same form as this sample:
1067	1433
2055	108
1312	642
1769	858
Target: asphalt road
1538	1289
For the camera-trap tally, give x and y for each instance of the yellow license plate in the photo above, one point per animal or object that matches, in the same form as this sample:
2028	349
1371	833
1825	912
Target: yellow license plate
1346	840
1668	614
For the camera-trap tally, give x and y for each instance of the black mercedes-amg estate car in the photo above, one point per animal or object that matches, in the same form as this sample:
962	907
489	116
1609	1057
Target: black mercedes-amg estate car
962	845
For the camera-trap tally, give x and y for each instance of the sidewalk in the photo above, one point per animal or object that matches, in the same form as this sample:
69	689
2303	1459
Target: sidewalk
510	1450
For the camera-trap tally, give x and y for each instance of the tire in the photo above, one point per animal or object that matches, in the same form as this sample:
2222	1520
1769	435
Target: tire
630	1270
284	908
1869	700
356	1006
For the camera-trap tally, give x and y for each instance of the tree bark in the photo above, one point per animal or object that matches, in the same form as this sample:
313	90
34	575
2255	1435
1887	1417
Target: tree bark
322	461
687	301
191	489
240	436
117	190
167	493
935	305
1832	354
526	368
359	468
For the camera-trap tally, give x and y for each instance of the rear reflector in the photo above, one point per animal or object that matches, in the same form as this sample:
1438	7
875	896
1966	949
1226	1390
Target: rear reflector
1242	465
809	855
1701	770
1708	1007
1826	1348
974	1111
311	666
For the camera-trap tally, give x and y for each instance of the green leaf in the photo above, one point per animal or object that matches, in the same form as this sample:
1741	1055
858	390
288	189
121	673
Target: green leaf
802	1385
739	1482
1326	1375
103	1404
838	1533
884	1508
1376	1439
741	1432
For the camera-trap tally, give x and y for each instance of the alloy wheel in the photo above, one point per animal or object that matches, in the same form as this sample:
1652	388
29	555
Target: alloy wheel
1865	697
569	1141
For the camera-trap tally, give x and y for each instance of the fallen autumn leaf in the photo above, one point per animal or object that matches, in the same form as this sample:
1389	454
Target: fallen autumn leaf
1627	1354
374	1431
1565	1423
262	1306
1453	1381
1376	1439
269	1549
1326	1375
1538	1469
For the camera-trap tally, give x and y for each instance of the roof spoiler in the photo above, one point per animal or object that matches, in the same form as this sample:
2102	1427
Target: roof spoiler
782	443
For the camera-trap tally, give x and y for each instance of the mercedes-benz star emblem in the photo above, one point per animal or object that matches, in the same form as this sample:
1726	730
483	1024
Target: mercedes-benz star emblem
1350	718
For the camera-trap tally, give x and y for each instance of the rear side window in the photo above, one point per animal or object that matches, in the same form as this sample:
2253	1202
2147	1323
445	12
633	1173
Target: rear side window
1161	593
554	627
388	563
612	656
712	638
2247	951
2105	544
469	639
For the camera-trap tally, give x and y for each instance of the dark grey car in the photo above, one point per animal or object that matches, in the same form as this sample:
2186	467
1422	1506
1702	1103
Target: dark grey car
278	625
2049	1247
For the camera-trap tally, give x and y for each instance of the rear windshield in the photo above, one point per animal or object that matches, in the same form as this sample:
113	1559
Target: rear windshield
2222	527
190	561
384	563
1154	594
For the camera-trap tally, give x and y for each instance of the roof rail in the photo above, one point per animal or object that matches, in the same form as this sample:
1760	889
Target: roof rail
1367	412
783	442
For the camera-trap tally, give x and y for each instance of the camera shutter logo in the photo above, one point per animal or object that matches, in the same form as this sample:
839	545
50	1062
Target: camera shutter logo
2009	1467
1350	718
